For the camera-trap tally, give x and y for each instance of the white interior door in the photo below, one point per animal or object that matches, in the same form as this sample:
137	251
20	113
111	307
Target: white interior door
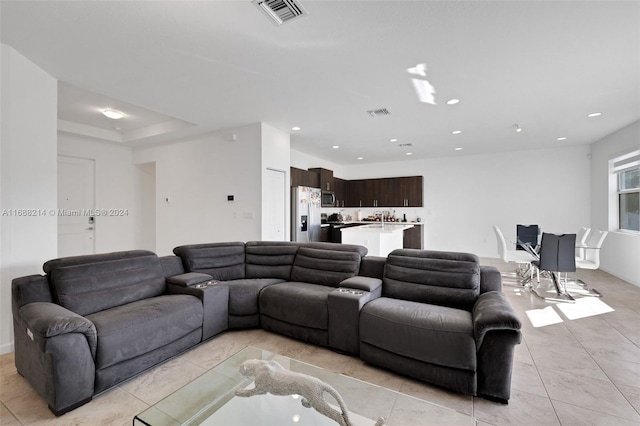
76	202
274	209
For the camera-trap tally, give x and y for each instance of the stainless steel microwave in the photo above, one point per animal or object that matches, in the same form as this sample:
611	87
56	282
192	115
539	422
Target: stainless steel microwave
328	199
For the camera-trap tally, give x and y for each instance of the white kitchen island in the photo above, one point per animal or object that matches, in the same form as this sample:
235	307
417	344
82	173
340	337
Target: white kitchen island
380	239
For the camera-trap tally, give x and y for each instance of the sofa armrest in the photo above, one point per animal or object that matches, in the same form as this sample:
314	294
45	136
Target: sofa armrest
55	351
29	289
490	279
45	320
491	312
189	279
372	285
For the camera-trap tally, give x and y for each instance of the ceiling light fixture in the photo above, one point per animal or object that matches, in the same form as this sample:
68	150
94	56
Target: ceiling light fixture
409	153
296	128
456	132
561	139
113	114
518	128
453	101
594	114
393	140
458	149
335	146
360	158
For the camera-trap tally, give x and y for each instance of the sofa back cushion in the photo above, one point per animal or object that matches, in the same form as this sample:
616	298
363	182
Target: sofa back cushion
93	283
223	261
270	259
326	264
439	278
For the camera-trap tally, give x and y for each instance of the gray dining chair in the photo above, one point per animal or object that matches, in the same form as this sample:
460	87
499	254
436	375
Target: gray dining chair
557	256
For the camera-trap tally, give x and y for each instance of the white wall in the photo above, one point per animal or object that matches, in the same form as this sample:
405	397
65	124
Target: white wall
276	153
145	195
28	165
465	195
620	251
114	189
196	175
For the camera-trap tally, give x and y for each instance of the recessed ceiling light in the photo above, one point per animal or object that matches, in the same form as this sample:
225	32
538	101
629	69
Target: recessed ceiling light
594	114
360	158
458	149
453	101
295	128
518	128
335	146
561	139
113	114
393	140
456	132
409	153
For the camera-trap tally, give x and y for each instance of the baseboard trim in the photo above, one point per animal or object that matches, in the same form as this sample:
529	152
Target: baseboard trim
6	348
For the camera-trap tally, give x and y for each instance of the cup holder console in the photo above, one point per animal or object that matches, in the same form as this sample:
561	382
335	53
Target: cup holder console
205	284
350	291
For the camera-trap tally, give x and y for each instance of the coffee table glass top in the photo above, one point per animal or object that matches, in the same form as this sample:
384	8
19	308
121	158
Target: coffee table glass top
210	400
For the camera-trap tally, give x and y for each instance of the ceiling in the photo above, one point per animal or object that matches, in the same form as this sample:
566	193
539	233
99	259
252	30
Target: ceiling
209	65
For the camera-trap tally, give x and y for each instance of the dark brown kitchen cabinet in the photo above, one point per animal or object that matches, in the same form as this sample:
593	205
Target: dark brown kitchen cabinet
300	177
409	191
326	179
340	190
385	192
325	235
412	238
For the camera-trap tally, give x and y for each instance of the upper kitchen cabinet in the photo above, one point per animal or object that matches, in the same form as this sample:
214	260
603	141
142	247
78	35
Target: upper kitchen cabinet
340	190
410	190
326	179
300	177
385	192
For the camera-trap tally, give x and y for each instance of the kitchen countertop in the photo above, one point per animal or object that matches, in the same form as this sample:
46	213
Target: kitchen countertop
379	227
371	222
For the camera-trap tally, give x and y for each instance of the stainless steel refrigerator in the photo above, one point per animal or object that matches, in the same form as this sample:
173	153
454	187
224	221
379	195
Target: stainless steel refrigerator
305	210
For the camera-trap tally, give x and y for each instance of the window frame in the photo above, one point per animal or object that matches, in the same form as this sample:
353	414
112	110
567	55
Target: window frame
619	165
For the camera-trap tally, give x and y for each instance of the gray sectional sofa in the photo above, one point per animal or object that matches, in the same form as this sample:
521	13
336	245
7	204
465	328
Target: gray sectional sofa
93	321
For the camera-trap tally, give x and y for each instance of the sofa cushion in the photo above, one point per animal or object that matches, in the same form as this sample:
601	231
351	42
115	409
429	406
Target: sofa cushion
98	284
297	303
326	264
243	295
223	261
428	333
440	278
270	259
127	331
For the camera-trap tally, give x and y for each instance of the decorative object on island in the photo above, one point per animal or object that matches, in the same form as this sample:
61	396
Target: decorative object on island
271	377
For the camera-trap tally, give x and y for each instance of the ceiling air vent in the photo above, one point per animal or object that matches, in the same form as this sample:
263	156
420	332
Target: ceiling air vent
377	112
280	11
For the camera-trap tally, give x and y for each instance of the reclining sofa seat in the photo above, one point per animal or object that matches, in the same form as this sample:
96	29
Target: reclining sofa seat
437	322
96	320
284	286
307	306
245	268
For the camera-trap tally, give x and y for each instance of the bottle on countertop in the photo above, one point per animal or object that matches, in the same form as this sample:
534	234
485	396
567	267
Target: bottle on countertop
404	217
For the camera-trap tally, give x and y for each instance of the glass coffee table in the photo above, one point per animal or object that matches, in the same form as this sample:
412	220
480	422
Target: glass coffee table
210	400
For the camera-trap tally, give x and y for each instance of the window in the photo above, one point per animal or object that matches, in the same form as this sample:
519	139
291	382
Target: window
627	169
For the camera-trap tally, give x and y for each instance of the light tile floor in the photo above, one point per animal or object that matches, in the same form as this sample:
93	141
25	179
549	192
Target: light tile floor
580	371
